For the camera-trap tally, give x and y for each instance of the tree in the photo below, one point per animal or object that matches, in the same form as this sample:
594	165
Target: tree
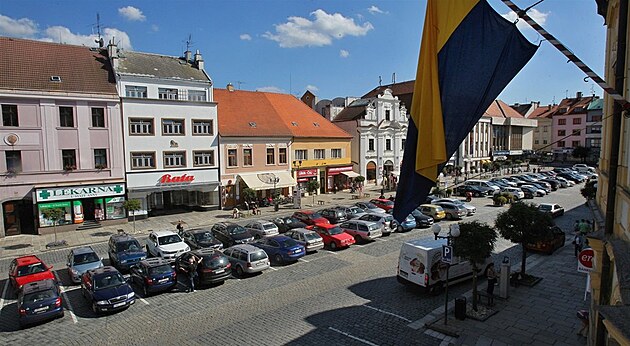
55	215
133	205
521	224
248	194
581	152
312	186
360	179
589	190
475	243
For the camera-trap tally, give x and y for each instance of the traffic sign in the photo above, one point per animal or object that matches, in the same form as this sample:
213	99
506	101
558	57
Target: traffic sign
585	260
447	254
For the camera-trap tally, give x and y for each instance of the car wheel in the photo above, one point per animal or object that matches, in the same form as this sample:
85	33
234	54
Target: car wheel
400	229
239	271
278	258
477	194
333	245
449	216
358	239
94	309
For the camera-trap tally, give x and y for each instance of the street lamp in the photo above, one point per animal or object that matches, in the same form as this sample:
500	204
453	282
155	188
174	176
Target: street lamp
453	233
275	193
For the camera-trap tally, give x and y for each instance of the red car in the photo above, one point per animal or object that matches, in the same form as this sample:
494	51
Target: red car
27	269
383	203
310	217
334	237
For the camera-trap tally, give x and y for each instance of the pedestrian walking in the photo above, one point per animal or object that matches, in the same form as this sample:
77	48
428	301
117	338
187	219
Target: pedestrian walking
578	243
491	274
180	227
191	271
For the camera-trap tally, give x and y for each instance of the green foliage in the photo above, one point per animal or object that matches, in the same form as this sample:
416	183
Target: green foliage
589	190
132	204
54	214
499	199
486	166
312	186
581	152
360	179
248	194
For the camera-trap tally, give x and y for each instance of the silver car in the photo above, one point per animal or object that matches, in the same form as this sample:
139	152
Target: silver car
369	207
384	219
247	258
309	239
262	229
362	230
471	210
352	211
81	260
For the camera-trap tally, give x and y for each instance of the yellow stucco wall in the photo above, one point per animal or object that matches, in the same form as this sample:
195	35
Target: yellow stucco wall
313	143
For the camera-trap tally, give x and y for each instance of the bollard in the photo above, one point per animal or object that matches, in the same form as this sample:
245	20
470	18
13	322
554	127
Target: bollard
504	280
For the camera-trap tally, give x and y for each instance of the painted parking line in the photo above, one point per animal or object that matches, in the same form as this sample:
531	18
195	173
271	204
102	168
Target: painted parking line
303	260
143	300
4	292
331	252
381	239
65	297
273	268
352	336
388	313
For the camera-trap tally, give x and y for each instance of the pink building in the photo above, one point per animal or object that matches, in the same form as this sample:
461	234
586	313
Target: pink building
569	124
61	138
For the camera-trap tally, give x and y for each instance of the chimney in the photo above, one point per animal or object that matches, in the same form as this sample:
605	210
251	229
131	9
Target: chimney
112	52
199	60
230	87
578	95
187	55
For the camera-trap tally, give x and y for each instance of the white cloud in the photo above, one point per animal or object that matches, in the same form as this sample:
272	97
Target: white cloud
312	88
245	37
271	89
375	10
537	16
155	28
23	27
131	13
301	32
61	34
344	53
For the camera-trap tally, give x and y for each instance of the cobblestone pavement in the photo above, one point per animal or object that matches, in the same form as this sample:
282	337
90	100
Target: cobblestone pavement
346	297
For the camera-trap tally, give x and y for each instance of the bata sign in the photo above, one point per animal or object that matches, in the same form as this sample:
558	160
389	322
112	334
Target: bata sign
76	192
181	179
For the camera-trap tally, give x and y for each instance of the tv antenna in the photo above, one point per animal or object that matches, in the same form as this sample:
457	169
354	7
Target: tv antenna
239	84
189	42
99	41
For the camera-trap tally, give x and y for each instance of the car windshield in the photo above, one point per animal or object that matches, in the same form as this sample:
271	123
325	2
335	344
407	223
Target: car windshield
291	220
236	229
257	256
268	226
129	245
161	269
374	226
37	297
388	203
340	213
214	261
545	207
416	213
410	218
86	258
108	280
315	216
335	230
370	205
311	236
203	236
31	269
388	218
287	243
169	239
355	210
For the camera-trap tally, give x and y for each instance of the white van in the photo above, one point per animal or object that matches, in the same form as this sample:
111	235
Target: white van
420	263
484	183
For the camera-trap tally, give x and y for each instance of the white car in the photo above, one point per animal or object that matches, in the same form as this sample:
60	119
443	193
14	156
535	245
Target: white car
362	230
469	208
554	210
262	229
515	192
538	191
564	182
307	238
583	168
166	244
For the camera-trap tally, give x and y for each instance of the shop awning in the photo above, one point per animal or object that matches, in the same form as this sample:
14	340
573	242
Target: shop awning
265	181
350	174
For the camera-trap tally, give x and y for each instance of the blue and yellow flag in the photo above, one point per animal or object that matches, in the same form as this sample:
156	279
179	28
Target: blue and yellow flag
468	55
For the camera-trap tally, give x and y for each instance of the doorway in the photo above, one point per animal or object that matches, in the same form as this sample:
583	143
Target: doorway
88	209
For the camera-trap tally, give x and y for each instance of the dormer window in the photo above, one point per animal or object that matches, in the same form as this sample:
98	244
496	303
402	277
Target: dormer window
252	124
167	94
294	123
316	124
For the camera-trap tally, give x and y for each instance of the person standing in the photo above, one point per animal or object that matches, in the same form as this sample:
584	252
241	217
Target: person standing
180	227
491	274
578	242
191	270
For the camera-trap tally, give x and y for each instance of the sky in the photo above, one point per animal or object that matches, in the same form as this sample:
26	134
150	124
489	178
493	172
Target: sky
332	48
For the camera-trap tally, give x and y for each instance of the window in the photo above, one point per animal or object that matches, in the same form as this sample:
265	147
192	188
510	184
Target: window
66	117
320	154
560	144
100	158
98	117
562	121
371	144
536	141
335	153
388	144
69	159
167	94
232	159
577	132
142	160
387	114
301	154
14	161
596	118
203	127
545	128
575	144
577	121
196	95
9	115
136	91
544	141
282	156
203	158
175	159
172	127
247	157
141	126
271	156
402	143
562	132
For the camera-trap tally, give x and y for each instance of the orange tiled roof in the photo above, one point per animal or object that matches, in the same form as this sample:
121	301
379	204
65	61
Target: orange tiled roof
501	109
29	65
573	105
543	112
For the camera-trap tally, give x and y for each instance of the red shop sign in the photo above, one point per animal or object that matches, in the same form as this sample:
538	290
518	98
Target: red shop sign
169	179
307	173
337	170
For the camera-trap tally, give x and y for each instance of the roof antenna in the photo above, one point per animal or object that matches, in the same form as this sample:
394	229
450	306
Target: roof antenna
189	42
380	81
100	41
394	78
239	84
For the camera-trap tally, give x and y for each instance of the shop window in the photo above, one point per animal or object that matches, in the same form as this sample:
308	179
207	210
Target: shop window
371	144
114	208
136	91
301	154
167	94
335	153
247	157
10	115
271	156
172	127
203	158
203	127
320	154
69	159
196	95
139	126
282	156
66	117
142	160
14	161
100	158
175	159
98	117
232	158
65	219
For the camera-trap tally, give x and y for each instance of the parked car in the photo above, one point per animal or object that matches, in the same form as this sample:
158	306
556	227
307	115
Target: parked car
515	192
309	239
166	244
310	217
262	228
564	182
81	260
482	183
408	224
39	301
362	230
452	211
554	209
153	275
201	238
543	186
384	218
369	207
231	234
106	290
421	219
476	190
124	251
554	240
469	208
432	210
281	248
334	237
246	258
583	168
333	215
287	223
383	203
27	269
352	211
555	185
504	181
533	189
215	266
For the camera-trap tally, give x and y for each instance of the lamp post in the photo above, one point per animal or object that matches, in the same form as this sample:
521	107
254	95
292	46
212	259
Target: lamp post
297	195
453	233
275	193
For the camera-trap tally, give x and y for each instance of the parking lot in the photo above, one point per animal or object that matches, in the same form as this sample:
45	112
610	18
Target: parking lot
344	297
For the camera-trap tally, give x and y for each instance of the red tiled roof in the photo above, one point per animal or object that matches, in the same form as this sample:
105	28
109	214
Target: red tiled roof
404	91
573	105
542	112
501	109
28	65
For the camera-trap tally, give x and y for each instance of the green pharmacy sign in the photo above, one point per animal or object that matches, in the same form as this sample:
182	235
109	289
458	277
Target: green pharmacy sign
77	192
